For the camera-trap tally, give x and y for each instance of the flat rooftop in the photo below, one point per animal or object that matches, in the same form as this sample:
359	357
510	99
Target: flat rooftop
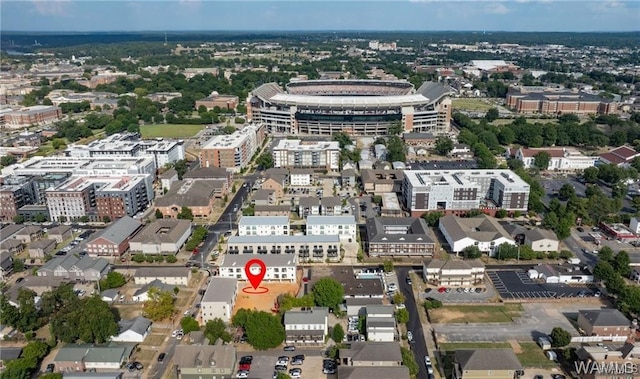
299	145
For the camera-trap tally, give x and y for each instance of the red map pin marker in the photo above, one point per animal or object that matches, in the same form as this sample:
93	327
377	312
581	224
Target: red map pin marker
255	278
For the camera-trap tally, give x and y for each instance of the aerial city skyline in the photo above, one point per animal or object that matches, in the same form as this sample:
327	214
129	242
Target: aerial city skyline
414	15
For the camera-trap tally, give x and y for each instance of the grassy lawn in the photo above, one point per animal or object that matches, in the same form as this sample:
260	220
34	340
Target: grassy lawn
531	354
453	346
471	104
170	130
475	313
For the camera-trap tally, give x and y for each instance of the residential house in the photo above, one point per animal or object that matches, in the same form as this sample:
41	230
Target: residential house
8	354
134	330
306	327
308	206
541	240
276	179
264	197
300	177
355	372
110	295
40	248
142	294
380	323
481	231
205	361
331	206
357	306
263	226
280	267
486	363
74	268
349	178
175	276
12	246
6	264
79	358
113	241
60	233
271	210
164	236
197	195
368	354
604	322
10	231
29	234
219	299
453	272
342	226
399	236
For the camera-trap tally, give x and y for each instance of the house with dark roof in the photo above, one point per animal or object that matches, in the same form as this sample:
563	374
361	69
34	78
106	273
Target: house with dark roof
167	179
399	236
9	231
272	210
486	363
264	197
604	322
163	236
194	361
453	272
620	156
113	241
73	268
6	264
306	327
379	181
134	330
142	294
198	195
29	234
77	358
331	206
308	206
8	354
12	246
368	354
482	231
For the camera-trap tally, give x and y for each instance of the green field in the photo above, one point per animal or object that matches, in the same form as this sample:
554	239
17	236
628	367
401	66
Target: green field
530	355
471	104
170	130
475	313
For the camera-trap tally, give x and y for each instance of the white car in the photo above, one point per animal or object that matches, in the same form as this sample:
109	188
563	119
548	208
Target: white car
174	333
392	287
400	306
242	374
409	336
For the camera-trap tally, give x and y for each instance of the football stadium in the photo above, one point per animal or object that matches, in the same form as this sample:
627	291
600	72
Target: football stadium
355	107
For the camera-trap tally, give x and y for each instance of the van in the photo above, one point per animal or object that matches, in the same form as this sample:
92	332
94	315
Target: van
544	343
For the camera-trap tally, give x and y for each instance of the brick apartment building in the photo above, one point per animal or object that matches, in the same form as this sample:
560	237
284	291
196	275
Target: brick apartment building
232	151
557	101
217	100
35	115
14	193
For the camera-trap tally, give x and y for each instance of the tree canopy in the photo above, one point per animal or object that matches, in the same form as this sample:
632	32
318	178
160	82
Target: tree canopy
263	330
328	292
216	329
159	306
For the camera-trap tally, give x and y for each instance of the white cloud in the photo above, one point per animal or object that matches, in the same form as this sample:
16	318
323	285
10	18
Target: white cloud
496	8
51	7
613	4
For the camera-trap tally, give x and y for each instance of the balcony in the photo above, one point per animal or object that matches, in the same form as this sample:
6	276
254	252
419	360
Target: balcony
247	251
262	251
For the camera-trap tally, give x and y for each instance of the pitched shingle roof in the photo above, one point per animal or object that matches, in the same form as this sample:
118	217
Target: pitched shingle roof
119	231
137	325
480	228
605	317
487	359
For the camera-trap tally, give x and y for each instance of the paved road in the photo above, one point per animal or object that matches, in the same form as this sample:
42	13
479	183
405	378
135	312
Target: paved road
158	369
419	348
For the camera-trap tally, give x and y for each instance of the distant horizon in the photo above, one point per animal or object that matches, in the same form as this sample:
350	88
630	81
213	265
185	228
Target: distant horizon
518	16
264	31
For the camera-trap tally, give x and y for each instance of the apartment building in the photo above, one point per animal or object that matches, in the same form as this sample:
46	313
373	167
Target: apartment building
93	166
15	192
482	231
263	226
279	267
114	239
308	248
321	155
399	236
457	191
306	327
232	151
341	226
565	159
197	195
217	100
219	299
35	115
548	100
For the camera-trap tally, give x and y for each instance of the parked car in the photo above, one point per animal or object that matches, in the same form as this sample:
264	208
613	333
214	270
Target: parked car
289	348
246	359
161	357
409	336
50	368
295	372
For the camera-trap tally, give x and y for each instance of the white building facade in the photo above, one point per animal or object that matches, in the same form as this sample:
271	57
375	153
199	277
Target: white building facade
264	226
279	267
342	226
562	158
313	154
219	299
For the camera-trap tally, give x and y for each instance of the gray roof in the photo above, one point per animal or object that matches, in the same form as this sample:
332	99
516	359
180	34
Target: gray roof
6	260
110	293
537	234
380	309
10	353
363	301
10	243
417	230
434	91
283	239
69	261
332	201
353	287
71	353
119	231
270	260
373	351
220	290
487	359
331	220
9	231
195	193
272	208
453	264
309	201
480	228
263	194
263	220
605	317
29	230
170	173
207	173
162	231
59	230
354	372
138	325
93	375
348	173
154	284
315	315
42	243
105	354
162	272
381	322
206	356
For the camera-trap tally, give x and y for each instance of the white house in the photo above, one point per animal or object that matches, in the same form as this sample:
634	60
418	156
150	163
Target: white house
481	231
299	177
561	274
175	276
343	226
380	323
279	266
562	158
110	295
263	226
306	326
541	240
135	330
219	299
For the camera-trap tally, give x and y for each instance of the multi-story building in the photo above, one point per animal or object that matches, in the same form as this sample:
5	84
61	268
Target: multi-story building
557	101
308	248
461	190
306	327
279	266
35	115
232	151
15	192
114	240
217	100
101	166
219	299
263	226
453	272
341	226
562	158
198	195
482	231
399	236
130	145
322	155
99	197
620	156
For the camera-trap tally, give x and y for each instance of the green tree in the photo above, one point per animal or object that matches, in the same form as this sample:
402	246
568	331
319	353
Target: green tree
138	258
185	214
159	306
387	265
605	254
409	361
560	337
444	145
189	324
590	174
171	259
159	214
337	333
566	192
501	213
264	330
18	265
433	218
18	219
265	160
282	375
492	115
541	160
181	168
328	292
90	321
287	302
395	128
113	279
471	252
7	160
621	263
398	298
402	316
343	139
432	304
216	329
106	219
229	129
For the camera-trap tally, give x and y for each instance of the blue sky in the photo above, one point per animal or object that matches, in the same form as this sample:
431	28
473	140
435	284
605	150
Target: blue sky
419	15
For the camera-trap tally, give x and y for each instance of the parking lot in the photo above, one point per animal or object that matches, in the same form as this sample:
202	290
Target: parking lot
263	365
454	296
515	284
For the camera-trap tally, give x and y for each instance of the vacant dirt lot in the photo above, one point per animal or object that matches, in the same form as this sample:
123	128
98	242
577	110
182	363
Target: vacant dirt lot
264	301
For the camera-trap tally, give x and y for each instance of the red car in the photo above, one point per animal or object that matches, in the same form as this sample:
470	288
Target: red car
441	290
244	367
